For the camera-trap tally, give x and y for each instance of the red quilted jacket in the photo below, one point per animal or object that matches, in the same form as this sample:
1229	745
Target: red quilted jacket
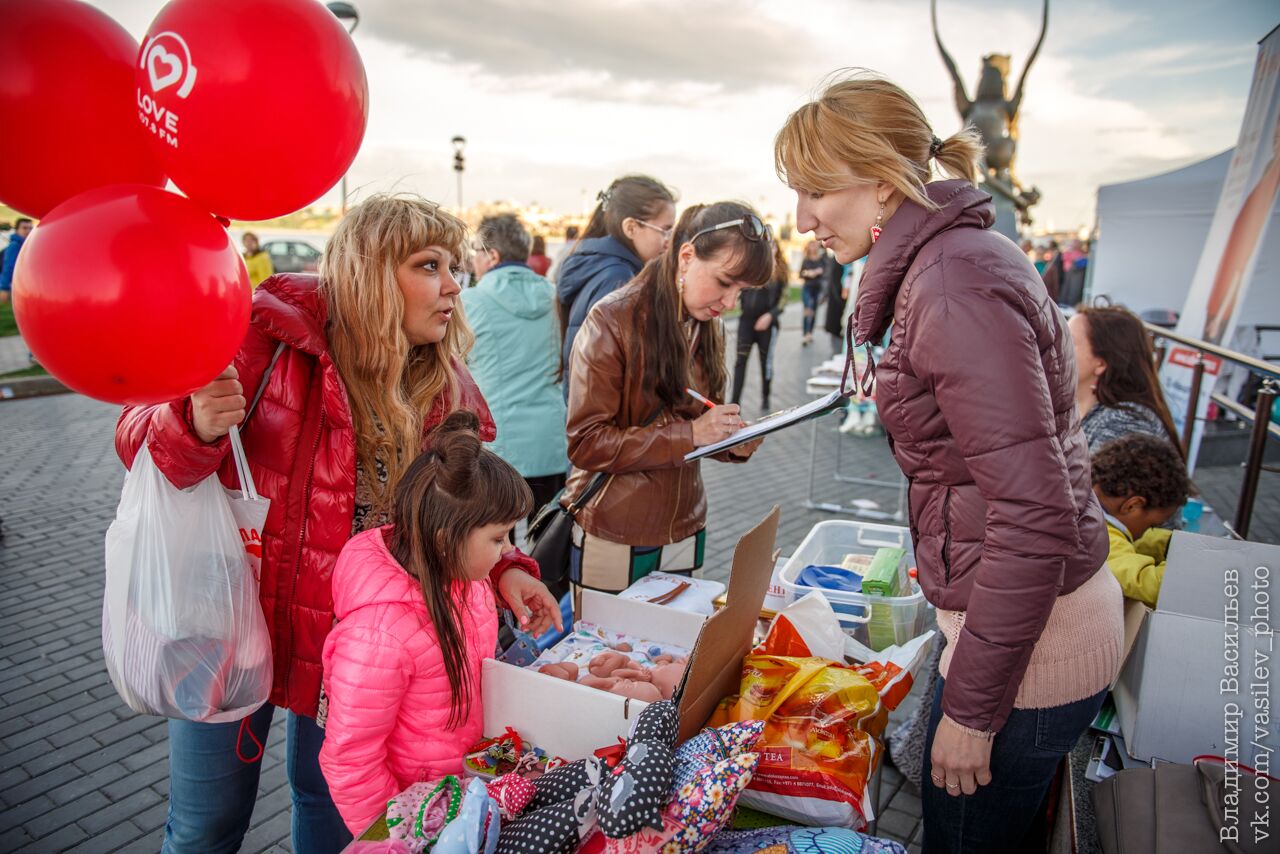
302	455
977	394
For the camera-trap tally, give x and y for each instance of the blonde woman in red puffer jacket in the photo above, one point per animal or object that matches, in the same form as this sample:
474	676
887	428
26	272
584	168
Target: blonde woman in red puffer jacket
361	362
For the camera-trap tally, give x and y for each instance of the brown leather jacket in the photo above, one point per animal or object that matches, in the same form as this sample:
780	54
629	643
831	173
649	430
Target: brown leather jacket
654	497
977	394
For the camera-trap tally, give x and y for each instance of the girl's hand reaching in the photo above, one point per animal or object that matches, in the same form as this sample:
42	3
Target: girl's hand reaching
529	599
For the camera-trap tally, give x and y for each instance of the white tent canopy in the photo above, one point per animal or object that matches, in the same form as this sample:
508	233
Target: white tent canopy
1151	233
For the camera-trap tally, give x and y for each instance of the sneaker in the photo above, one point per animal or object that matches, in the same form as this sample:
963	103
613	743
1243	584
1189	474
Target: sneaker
852	420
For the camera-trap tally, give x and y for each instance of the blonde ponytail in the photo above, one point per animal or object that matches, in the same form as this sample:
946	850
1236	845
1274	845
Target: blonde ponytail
865	125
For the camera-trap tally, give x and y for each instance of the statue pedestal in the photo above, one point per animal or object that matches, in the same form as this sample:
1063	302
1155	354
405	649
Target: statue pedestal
1006	213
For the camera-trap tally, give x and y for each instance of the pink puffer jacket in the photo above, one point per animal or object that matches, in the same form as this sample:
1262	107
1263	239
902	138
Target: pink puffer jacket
384	676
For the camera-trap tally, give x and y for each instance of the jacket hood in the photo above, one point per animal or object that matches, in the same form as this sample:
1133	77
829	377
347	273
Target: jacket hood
367	574
961	205
593	255
516	290
290	308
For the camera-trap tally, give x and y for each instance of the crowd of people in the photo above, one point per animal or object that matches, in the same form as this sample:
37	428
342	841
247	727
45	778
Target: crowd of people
402	425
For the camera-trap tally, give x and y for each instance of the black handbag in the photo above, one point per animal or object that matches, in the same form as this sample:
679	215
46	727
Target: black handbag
550	534
551	531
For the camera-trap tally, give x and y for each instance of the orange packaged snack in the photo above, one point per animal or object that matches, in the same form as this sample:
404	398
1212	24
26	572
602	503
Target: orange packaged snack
820	741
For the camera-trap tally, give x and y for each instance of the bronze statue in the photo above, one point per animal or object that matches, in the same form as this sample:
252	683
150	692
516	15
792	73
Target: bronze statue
995	115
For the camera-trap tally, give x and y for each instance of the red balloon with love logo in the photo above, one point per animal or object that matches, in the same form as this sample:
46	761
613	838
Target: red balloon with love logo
256	108
66	97
131	294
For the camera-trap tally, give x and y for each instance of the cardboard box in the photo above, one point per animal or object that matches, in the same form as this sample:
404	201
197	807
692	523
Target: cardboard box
1212	624
571	720
775	598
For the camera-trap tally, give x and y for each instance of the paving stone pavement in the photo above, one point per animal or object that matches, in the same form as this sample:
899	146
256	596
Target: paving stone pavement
14	355
80	772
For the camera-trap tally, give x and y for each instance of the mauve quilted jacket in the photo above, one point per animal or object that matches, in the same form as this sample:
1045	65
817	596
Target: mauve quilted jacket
977	395
302	455
388	723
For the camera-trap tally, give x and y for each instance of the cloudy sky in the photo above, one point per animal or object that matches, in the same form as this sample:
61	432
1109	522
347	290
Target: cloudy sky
555	97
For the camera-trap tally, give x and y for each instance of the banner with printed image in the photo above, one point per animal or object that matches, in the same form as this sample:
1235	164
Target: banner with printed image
1227	264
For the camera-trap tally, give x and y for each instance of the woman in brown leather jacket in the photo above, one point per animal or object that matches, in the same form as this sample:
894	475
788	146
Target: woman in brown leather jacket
630	414
977	395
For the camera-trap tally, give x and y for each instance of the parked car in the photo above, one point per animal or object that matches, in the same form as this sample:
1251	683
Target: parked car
293	256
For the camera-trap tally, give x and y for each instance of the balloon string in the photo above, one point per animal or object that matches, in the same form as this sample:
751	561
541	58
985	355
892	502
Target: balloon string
245	728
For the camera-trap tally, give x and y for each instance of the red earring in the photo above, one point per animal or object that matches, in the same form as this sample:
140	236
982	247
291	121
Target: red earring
875	229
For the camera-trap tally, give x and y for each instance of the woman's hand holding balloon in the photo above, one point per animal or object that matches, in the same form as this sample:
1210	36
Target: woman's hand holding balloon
219	406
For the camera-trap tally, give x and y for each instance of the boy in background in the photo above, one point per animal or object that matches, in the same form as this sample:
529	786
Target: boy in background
1141	482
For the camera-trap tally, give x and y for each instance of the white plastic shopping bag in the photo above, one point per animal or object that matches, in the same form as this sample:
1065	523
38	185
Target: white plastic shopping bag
182	628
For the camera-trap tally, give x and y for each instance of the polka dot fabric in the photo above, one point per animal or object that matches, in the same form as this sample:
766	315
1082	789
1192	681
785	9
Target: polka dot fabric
556	829
561	785
657	722
512	793
632	794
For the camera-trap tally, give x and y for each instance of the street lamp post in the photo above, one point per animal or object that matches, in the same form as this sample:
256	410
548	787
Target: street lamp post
347	14
459	163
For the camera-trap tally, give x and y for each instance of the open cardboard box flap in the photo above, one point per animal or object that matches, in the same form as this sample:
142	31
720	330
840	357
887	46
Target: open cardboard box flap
715	666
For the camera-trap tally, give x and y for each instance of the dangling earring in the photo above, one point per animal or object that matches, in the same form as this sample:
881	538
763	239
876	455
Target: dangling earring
680	297
875	229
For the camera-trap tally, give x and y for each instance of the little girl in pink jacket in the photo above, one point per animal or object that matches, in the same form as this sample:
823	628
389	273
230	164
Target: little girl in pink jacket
416	618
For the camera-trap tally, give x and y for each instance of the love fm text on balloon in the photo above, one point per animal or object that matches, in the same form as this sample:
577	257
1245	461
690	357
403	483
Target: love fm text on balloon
161	121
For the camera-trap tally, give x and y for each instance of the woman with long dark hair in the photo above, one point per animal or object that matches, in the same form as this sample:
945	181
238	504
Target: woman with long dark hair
1117	390
630	413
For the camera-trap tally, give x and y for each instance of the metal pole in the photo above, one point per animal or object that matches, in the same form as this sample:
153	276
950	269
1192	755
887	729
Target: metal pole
1157	350
344	193
1193	405
1253	464
459	189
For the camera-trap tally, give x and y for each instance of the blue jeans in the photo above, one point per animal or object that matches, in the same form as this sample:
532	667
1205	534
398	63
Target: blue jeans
810	295
1024	758
212	791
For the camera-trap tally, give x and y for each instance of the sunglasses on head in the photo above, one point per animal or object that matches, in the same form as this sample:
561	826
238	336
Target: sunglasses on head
751	226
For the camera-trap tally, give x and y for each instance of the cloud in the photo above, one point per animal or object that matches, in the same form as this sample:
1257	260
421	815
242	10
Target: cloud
717	43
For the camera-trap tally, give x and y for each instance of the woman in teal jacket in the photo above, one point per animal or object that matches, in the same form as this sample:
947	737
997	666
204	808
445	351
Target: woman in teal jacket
516	357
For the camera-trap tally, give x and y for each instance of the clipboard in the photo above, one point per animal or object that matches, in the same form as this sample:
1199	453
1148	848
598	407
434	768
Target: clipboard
773	423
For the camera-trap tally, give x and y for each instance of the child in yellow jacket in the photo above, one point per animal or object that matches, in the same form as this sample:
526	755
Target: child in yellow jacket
1141	482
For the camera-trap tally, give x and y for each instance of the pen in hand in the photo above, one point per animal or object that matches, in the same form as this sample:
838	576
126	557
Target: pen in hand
708	404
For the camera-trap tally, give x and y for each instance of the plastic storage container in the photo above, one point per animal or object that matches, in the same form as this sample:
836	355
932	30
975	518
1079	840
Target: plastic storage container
826	545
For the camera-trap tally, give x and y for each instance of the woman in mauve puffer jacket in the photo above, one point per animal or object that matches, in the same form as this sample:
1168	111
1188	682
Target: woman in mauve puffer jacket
977	395
416	620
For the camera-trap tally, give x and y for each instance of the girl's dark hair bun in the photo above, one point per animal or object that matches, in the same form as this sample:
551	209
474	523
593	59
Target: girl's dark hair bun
456	446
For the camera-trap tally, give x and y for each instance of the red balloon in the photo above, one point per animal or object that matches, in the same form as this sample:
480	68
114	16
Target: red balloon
256	108
131	294
66	95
